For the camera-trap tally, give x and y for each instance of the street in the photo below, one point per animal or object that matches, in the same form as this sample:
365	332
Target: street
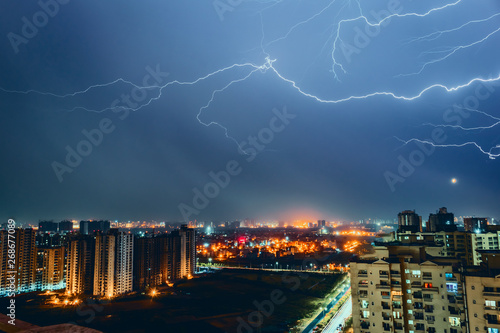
340	318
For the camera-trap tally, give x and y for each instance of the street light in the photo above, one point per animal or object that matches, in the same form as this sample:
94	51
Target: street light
276	265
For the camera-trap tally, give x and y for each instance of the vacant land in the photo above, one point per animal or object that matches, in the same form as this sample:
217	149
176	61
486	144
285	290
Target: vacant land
219	302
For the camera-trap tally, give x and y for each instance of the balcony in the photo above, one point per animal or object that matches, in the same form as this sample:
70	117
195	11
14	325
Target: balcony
434	289
362	275
491	308
491	294
493	319
418	305
365	325
383	286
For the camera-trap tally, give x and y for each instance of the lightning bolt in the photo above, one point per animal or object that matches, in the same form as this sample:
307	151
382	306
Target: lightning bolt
488	153
375	24
437	34
450	52
477	128
269	67
76	93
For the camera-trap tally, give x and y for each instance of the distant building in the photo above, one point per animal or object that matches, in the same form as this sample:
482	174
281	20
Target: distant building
91	227
408	220
50	239
475	242
321	223
47	226
475	224
441	221
65	226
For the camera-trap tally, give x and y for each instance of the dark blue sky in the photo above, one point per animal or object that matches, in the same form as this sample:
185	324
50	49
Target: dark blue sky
326	160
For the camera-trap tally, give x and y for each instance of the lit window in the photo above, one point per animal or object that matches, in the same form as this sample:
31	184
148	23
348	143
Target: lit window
489	303
455	321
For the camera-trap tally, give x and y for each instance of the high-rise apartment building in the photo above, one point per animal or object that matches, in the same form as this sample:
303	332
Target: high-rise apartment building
113	269
182	253
91	227
65	226
22	271
475	242
80	265
101	264
408	220
124	256
47	226
406	290
150	261
441	221
482	286
51	269
475	224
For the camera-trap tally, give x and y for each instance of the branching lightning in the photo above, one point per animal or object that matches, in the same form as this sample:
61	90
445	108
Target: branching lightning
490	153
246	70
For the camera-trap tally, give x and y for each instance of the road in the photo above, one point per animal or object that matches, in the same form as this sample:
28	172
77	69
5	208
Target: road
340	318
331	304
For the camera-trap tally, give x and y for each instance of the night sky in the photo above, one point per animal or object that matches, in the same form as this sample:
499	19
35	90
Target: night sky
335	160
